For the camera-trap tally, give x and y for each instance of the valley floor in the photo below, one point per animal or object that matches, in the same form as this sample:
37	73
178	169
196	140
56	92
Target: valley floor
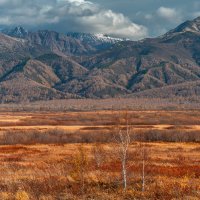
77	155
172	171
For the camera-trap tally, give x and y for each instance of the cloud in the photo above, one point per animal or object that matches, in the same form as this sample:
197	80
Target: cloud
196	14
148	16
69	15
115	24
169	14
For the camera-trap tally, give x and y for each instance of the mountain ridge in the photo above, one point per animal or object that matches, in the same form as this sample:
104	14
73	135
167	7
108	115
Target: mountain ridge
78	65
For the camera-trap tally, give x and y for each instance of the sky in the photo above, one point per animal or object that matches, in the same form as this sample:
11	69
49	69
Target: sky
133	19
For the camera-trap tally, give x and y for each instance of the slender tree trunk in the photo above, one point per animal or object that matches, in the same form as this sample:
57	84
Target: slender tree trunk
124	174
143	175
124	141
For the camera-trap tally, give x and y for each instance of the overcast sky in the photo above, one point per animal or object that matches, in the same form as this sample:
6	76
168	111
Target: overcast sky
134	19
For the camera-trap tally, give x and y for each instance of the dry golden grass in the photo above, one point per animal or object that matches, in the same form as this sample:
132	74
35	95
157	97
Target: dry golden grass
51	166
100	118
96	126
77	121
48	170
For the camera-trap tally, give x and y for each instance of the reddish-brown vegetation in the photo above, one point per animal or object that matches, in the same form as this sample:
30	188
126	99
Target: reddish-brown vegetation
41	158
89	127
71	171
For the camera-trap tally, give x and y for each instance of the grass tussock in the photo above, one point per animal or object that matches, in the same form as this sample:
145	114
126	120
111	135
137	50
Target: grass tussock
75	156
93	171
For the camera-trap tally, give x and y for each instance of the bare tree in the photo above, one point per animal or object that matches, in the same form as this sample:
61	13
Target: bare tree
143	166
123	131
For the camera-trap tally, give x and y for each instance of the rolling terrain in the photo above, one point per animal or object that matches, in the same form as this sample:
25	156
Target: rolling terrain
46	65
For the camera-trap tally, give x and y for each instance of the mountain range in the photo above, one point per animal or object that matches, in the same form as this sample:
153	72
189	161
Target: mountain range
45	65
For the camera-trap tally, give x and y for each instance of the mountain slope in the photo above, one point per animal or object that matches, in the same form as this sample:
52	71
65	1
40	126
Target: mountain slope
188	89
29	81
96	41
68	44
17	32
168	60
47	65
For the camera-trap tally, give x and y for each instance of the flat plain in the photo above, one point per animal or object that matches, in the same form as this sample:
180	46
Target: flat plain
76	155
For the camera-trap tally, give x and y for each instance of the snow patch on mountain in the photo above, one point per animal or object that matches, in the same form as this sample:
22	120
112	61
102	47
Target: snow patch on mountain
90	38
18	32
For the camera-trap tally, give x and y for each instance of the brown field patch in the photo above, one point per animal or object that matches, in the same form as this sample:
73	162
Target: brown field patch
34	166
52	155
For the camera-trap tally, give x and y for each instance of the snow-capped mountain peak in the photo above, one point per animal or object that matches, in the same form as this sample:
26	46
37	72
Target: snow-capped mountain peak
188	26
107	38
91	38
18	32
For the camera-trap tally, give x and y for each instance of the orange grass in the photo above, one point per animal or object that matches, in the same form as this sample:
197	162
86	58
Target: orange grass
43	170
54	169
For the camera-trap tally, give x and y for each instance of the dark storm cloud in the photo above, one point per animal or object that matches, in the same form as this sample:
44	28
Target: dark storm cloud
134	19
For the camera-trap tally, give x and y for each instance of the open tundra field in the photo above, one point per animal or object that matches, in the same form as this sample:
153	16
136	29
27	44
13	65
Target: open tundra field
93	171
78	155
97	126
